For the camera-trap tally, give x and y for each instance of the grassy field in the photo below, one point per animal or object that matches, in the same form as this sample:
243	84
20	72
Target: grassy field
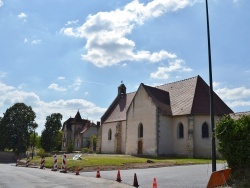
91	162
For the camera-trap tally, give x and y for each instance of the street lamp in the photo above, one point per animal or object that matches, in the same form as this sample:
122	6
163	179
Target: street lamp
211	94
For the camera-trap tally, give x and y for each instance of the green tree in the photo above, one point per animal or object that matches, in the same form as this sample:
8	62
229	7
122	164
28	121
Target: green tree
49	134
94	141
33	138
58	141
2	136
234	141
15	127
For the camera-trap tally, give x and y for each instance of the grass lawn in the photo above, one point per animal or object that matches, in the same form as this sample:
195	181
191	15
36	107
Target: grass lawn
107	162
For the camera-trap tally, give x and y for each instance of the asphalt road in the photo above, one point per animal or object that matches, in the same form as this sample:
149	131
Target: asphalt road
23	177
191	176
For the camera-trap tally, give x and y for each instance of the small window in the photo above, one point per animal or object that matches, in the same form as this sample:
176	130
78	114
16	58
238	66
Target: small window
140	131
110	134
205	130
180	131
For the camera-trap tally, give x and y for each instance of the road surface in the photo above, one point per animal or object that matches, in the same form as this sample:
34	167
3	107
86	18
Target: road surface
23	177
191	176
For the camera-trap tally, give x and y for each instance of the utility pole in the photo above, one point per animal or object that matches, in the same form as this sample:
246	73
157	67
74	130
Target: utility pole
211	94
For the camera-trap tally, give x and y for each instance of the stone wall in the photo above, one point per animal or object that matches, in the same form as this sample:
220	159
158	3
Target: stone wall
9	157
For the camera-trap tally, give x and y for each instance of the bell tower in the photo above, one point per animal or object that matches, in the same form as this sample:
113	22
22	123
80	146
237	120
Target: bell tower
122	89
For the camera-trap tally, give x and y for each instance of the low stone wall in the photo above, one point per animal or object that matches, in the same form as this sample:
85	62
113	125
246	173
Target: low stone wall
9	157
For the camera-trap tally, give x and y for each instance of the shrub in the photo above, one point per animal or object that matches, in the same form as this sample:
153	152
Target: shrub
234	141
234	145
85	150
70	148
41	152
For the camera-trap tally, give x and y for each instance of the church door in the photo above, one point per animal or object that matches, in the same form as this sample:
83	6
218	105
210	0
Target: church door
139	151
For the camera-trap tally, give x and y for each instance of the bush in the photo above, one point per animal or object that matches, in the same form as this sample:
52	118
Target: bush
234	141
234	145
70	148
41	152
85	150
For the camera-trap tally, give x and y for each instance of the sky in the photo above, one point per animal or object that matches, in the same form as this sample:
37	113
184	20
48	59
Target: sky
60	56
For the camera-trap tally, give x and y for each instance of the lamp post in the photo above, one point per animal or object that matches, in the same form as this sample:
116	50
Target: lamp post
211	94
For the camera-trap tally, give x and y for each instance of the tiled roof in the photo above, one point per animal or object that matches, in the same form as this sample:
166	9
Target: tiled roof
117	110
77	119
88	124
160	98
189	96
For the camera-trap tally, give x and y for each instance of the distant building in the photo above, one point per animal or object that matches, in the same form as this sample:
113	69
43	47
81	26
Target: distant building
77	131
170	119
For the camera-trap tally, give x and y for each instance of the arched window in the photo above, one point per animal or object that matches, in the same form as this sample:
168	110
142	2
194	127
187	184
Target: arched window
204	130
140	131
180	131
110	134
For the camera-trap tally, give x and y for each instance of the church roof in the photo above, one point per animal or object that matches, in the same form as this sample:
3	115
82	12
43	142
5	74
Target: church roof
189	96
118	109
160	97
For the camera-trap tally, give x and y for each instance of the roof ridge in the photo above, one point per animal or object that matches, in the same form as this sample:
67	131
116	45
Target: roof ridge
178	81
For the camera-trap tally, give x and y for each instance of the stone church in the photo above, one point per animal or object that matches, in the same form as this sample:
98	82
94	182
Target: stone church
77	131
171	119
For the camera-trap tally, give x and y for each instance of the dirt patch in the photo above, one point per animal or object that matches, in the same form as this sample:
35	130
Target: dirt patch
123	167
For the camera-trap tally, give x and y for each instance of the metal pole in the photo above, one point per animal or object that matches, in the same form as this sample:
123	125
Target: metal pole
211	94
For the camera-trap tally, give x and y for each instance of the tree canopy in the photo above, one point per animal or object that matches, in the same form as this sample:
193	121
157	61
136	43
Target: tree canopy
234	141
49	135
15	127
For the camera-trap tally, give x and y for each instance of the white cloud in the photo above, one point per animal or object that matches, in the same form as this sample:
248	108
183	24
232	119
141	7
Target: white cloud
2	74
61	78
233	94
68	108
164	72
77	84
72	22
21	86
22	15
106	32
56	87
235	1
1	3
37	41
25	40
239	103
216	84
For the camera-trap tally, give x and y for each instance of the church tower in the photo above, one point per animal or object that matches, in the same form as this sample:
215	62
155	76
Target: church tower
122	89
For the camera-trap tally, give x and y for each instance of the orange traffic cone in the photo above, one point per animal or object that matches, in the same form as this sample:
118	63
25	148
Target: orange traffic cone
135	184
77	171
154	183
98	173
118	176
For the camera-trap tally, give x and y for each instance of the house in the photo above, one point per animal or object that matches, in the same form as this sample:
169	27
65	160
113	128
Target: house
171	119
77	131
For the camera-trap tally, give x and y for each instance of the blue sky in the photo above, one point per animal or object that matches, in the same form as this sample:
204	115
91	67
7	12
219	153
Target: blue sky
61	56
